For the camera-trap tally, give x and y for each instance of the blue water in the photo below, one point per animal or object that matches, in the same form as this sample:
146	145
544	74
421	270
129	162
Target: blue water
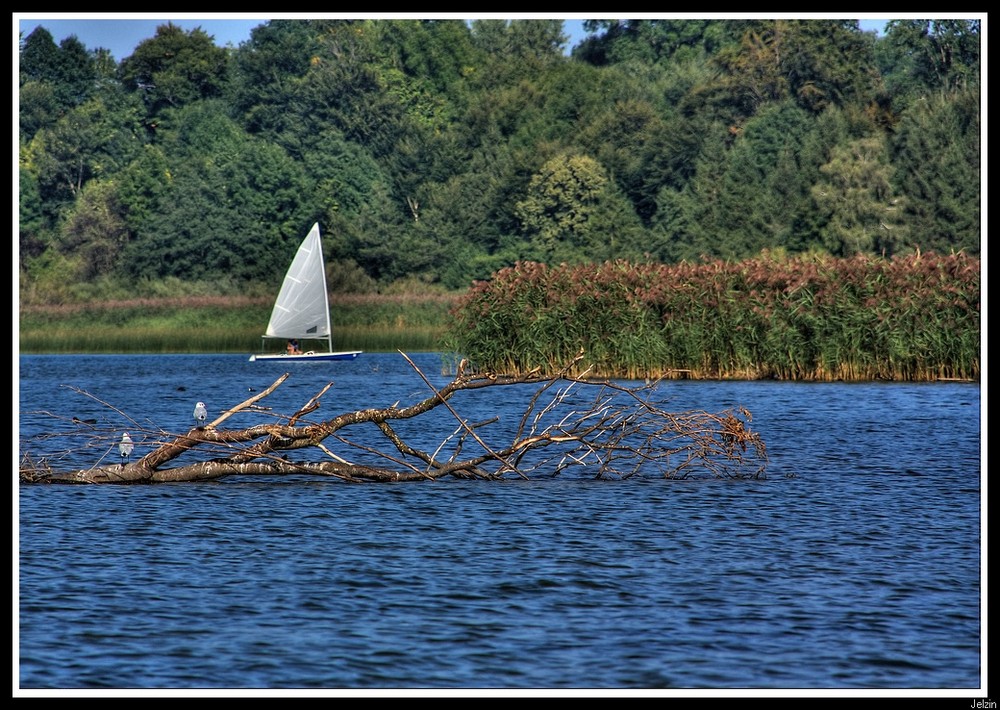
855	564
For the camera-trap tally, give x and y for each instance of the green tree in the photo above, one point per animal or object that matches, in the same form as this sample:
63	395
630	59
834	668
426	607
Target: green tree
520	41
369	111
96	139
626	138
225	206
77	78
345	176
444	150
650	41
674	225
95	231
65	156
105	67
688	219
938	157
816	62
932	55
52	80
765	184
175	68
572	212
39	57
435	55
472	211
347	88
267	75
833	127
864	215
666	157
31	220
38	107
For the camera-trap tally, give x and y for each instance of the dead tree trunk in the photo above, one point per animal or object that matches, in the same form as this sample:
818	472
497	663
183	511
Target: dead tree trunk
618	432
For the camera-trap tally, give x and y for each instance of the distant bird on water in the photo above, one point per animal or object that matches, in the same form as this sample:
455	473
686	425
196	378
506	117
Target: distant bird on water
200	413
125	447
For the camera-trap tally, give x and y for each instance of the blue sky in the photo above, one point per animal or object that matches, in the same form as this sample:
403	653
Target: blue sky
121	32
121	35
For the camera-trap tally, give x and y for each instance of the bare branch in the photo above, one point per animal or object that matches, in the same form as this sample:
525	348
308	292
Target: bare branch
569	424
250	402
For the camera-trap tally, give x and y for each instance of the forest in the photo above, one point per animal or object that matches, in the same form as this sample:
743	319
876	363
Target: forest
440	152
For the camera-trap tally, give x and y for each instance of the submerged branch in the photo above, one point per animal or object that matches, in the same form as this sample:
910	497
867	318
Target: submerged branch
597	429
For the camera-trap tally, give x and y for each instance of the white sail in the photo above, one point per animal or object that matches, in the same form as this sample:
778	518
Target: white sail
302	309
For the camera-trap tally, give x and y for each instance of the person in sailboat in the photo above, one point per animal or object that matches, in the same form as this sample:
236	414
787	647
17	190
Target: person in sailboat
293	347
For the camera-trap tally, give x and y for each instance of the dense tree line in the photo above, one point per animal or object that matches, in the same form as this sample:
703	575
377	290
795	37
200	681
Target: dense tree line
442	151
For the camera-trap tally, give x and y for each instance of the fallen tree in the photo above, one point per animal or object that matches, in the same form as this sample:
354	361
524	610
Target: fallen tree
598	428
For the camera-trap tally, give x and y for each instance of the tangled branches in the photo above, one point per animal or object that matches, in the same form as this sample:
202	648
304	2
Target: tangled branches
597	429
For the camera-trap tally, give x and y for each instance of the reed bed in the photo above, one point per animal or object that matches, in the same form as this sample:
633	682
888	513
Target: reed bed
805	318
808	318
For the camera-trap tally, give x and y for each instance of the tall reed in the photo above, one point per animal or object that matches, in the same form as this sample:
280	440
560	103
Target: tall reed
803	318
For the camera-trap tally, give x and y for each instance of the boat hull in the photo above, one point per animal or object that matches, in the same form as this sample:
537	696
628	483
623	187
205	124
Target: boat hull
307	356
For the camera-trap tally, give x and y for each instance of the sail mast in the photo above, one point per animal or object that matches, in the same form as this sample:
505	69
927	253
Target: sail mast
326	295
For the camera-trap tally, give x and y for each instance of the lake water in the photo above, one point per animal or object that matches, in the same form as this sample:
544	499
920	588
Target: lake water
856	564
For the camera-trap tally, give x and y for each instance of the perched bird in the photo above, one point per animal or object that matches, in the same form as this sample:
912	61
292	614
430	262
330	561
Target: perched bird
200	413
125	447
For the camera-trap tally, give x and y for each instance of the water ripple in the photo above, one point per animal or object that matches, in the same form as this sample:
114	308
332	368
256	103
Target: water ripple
861	571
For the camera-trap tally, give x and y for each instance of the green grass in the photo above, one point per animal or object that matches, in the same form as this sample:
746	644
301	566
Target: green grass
226	325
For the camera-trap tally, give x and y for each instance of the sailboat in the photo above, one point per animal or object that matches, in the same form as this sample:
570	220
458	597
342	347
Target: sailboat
302	309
